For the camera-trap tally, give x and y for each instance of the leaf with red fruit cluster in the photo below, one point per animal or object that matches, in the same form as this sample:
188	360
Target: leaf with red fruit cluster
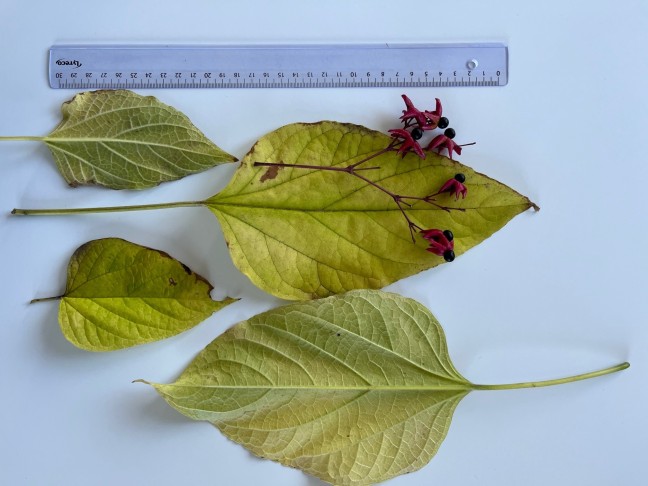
302	233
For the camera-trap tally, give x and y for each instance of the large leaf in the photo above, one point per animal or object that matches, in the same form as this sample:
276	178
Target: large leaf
120	294
302	234
122	140
353	389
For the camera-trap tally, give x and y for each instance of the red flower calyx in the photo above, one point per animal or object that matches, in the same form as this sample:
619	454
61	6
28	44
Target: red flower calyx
426	120
407	143
455	186
445	141
441	243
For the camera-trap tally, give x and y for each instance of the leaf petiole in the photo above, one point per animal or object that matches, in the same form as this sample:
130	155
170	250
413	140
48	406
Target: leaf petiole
21	139
45	299
558	381
108	209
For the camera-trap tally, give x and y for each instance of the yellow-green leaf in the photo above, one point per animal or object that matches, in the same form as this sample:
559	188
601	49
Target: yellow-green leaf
122	140
302	234
354	389
120	294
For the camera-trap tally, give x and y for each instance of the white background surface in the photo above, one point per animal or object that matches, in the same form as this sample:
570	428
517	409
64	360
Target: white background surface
555	293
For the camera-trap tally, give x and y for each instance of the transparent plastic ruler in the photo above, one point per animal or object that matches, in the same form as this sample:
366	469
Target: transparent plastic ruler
278	66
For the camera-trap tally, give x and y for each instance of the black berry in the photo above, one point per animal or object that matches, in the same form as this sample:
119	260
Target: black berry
450	133
448	234
448	256
460	178
443	122
417	133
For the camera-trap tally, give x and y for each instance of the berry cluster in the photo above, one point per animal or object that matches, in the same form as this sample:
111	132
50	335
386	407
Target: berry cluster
415	123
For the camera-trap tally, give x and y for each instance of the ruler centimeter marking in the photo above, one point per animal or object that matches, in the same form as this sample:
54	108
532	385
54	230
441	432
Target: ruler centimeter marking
282	66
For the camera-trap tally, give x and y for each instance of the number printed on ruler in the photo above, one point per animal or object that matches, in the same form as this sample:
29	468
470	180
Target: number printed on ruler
113	67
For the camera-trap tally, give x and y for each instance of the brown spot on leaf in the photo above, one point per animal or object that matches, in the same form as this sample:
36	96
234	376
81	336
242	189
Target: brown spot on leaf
271	173
172	282
254	147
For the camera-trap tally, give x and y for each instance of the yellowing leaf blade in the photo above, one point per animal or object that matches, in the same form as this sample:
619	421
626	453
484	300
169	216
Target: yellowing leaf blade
301	234
122	140
402	448
353	389
120	294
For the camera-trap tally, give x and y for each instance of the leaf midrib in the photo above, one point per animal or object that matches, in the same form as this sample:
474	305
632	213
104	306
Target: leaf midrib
140	297
460	386
215	206
53	140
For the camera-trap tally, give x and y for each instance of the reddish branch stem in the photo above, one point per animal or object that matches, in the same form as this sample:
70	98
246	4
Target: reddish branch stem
353	170
397	199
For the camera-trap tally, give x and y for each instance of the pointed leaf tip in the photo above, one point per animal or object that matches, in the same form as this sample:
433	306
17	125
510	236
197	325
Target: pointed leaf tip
140	380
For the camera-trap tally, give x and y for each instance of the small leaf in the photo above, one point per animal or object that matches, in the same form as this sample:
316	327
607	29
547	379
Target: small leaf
354	389
122	140
120	294
302	234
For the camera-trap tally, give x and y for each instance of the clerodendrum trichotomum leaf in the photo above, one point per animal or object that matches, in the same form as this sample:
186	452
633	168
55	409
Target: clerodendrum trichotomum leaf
120	294
122	140
301	234
309	231
353	389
